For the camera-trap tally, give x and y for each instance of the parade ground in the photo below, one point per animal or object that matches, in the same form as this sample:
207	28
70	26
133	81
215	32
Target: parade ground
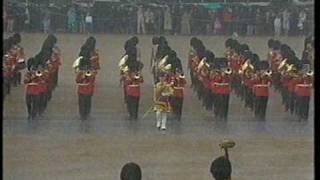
60	146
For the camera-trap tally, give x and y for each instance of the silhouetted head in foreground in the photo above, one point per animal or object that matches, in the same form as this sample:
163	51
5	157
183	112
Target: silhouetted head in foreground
131	171
221	168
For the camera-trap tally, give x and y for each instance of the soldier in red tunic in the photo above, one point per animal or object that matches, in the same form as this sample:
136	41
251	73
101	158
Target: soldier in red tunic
261	84
303	92
31	80
18	59
176	100
133	81
222	87
86	82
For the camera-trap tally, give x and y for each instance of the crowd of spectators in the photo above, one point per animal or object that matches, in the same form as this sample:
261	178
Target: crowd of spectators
184	19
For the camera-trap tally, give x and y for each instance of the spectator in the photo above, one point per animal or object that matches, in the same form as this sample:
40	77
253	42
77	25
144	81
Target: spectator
131	171
149	17
131	20
217	26
259	22
176	19
167	20
46	21
227	20
82	23
251	21
71	19
277	25
302	20
27	19
285	21
10	18
185	23
141	20
89	28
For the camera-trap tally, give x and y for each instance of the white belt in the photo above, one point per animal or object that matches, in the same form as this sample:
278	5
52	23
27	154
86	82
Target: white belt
32	84
261	85
178	87
20	60
304	85
133	85
221	84
83	84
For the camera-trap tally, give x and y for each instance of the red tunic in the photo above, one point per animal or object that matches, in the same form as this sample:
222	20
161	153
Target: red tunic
178	87
221	85
292	84
85	84
261	88
303	88
133	86
95	61
32	85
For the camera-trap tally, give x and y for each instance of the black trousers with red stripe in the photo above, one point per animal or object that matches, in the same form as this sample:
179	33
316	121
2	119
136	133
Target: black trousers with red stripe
260	107
133	106
222	105
84	105
33	104
302	107
177	104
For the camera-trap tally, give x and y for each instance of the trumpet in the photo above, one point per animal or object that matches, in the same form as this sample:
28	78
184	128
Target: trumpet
310	73
38	73
181	76
228	71
88	73
137	76
267	73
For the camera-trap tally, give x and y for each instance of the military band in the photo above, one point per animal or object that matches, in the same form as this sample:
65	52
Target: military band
213	79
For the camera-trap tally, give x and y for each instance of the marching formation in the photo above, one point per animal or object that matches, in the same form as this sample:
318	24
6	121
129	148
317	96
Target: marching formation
293	78
212	78
42	77
251	77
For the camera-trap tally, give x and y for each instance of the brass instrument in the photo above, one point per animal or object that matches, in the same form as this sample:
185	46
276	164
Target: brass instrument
88	73
282	64
310	73
181	76
38	73
228	71
267	73
122	62
202	63
137	76
246	68
162	62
